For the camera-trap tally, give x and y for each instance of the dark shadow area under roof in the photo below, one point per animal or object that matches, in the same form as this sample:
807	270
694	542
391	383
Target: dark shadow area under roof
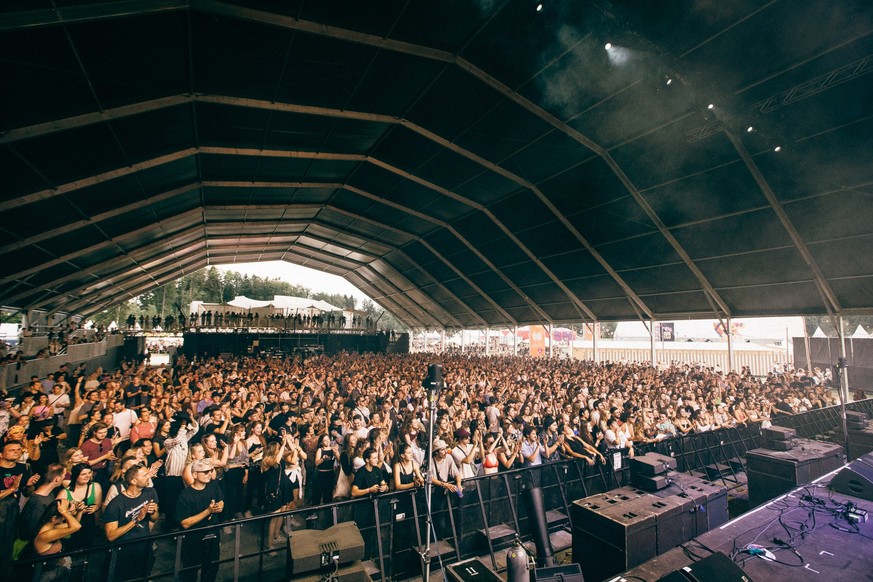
467	163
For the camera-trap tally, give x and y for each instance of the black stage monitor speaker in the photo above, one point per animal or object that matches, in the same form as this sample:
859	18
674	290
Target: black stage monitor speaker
354	572
313	549
715	568
562	573
772	473
856	479
608	540
775	445
655	483
651	464
854	416
779	433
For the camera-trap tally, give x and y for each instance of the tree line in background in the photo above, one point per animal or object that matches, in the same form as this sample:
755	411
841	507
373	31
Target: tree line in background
210	285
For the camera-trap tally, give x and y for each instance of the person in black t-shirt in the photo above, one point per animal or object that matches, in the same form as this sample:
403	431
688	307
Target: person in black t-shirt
200	505
131	516
368	480
31	514
15	478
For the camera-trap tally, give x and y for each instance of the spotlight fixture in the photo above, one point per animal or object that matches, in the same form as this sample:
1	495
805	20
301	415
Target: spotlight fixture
711	106
608	46
777	149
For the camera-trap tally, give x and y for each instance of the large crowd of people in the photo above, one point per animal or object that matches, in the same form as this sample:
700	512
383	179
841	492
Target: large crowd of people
90	456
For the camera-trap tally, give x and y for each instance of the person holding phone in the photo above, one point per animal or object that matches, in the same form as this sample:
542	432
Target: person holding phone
85	497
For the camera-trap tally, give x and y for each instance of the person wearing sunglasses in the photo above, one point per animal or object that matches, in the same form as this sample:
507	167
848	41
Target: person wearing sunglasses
200	505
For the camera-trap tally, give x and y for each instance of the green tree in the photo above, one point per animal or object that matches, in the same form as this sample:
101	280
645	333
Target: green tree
213	286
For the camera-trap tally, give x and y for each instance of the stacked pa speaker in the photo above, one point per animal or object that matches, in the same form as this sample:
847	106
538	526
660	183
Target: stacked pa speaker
652	472
774	472
615	531
860	434
778	438
334	553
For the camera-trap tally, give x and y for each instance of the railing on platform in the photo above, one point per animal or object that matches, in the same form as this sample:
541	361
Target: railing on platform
95	353
393	523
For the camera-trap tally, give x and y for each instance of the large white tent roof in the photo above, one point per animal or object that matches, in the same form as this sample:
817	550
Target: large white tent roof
285	302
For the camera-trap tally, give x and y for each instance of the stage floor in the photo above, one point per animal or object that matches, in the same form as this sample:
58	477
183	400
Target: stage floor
822	550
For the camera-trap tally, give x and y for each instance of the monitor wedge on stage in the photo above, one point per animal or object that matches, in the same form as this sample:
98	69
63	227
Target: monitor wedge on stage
717	567
856	479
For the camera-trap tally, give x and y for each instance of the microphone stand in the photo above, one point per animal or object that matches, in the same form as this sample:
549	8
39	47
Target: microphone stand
838	377
433	383
428	488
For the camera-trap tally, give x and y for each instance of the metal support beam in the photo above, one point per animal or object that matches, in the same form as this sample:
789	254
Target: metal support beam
829	298
730	342
844	385
595	333
346	231
654	359
443	224
60	15
49	193
75	225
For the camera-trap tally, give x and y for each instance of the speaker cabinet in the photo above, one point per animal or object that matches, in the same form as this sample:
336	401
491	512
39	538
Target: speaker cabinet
707	502
717	567
772	473
672	520
608	540
308	547
562	573
779	433
856	479
651	464
353	572
654	482
860	442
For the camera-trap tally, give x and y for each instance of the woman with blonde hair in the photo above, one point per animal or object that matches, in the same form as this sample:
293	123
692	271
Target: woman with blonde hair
72	457
195	453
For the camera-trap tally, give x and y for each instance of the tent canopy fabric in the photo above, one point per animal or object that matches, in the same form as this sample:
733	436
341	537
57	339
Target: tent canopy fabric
462	163
243	302
282	303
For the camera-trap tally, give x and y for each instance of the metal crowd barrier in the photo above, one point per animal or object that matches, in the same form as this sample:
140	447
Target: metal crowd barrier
393	524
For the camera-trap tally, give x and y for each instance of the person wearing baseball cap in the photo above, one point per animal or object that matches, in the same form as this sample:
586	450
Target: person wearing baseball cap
444	468
446	478
465	453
